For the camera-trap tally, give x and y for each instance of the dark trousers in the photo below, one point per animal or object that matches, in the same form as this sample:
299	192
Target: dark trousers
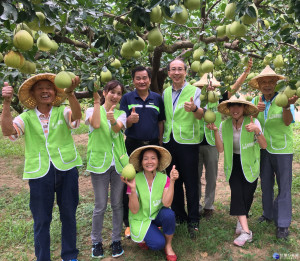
185	157
242	191
154	238
42	191
280	209
131	145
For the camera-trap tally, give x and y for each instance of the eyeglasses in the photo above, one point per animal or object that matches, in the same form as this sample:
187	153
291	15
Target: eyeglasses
177	69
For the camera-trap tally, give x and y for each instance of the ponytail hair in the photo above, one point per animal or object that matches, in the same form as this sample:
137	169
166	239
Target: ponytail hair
110	86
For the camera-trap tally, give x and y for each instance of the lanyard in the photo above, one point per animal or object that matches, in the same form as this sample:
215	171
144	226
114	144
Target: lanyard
176	97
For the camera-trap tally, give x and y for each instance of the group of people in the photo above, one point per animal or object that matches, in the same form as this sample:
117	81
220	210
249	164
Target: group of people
162	135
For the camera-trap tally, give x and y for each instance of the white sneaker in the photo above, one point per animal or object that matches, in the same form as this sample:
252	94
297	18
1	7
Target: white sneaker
243	238
239	228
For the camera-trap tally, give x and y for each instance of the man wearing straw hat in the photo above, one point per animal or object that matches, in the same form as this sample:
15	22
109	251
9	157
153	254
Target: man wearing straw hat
208	153
51	158
181	137
278	156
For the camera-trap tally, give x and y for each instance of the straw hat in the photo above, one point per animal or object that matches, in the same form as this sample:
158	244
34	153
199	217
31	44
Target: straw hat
265	73
204	81
25	95
249	110
164	161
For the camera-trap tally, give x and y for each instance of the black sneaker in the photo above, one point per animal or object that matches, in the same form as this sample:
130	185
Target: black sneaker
117	249
97	250
282	232
263	219
193	230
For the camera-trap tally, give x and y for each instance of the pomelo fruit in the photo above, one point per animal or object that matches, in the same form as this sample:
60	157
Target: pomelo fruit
209	116
44	43
128	171
137	44
105	76
23	40
116	63
192	4
182	17
247	19
155	37
14	59
281	100
63	80
289	92
230	10
221	30
197	54
207	66
156	14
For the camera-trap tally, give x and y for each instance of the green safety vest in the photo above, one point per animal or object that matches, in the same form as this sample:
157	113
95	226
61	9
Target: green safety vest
59	147
104	144
209	134
279	137
150	204
249	151
185	127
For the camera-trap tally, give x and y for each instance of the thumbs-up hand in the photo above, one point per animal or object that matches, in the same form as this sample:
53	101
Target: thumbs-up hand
110	114
7	92
174	174
251	127
190	106
261	105
134	117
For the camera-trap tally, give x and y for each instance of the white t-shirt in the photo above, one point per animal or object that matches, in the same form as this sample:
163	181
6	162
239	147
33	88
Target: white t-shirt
236	136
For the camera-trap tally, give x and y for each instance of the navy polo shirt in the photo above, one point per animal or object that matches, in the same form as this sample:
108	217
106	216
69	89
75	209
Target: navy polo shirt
150	111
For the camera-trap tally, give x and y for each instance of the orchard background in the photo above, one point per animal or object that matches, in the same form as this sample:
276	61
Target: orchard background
89	37
90	34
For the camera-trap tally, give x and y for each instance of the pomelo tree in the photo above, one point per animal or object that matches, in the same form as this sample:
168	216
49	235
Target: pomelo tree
87	37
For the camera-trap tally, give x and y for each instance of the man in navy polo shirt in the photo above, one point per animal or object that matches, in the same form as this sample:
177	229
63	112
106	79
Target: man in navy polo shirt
145	115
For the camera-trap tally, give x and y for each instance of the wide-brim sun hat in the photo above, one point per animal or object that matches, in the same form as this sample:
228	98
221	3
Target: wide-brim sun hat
204	81
164	161
249	110
267	72
25	96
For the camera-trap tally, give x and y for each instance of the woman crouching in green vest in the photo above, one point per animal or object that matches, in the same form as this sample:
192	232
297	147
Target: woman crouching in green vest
150	196
106	157
241	139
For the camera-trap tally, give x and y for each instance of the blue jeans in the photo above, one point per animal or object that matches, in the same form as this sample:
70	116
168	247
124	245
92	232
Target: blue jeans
165	218
42	192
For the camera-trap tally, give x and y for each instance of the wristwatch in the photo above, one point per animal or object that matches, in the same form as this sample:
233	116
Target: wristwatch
287	109
195	109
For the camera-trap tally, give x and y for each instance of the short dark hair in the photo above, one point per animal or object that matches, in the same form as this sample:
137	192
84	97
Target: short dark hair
177	59
147	149
110	86
140	69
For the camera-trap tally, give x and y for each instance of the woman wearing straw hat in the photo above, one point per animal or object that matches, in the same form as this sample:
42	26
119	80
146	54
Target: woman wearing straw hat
106	157
278	156
208	153
241	139
50	156
150	196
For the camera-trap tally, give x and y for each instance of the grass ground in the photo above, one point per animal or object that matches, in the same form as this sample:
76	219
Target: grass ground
214	241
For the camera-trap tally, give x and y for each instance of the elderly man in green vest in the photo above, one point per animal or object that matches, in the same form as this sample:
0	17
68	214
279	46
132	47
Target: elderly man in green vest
51	158
277	158
182	137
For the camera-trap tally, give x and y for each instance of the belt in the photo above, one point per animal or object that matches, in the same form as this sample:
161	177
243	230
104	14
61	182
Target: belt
142	142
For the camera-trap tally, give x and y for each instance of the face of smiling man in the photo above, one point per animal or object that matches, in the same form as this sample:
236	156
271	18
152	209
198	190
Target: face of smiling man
177	73
43	92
